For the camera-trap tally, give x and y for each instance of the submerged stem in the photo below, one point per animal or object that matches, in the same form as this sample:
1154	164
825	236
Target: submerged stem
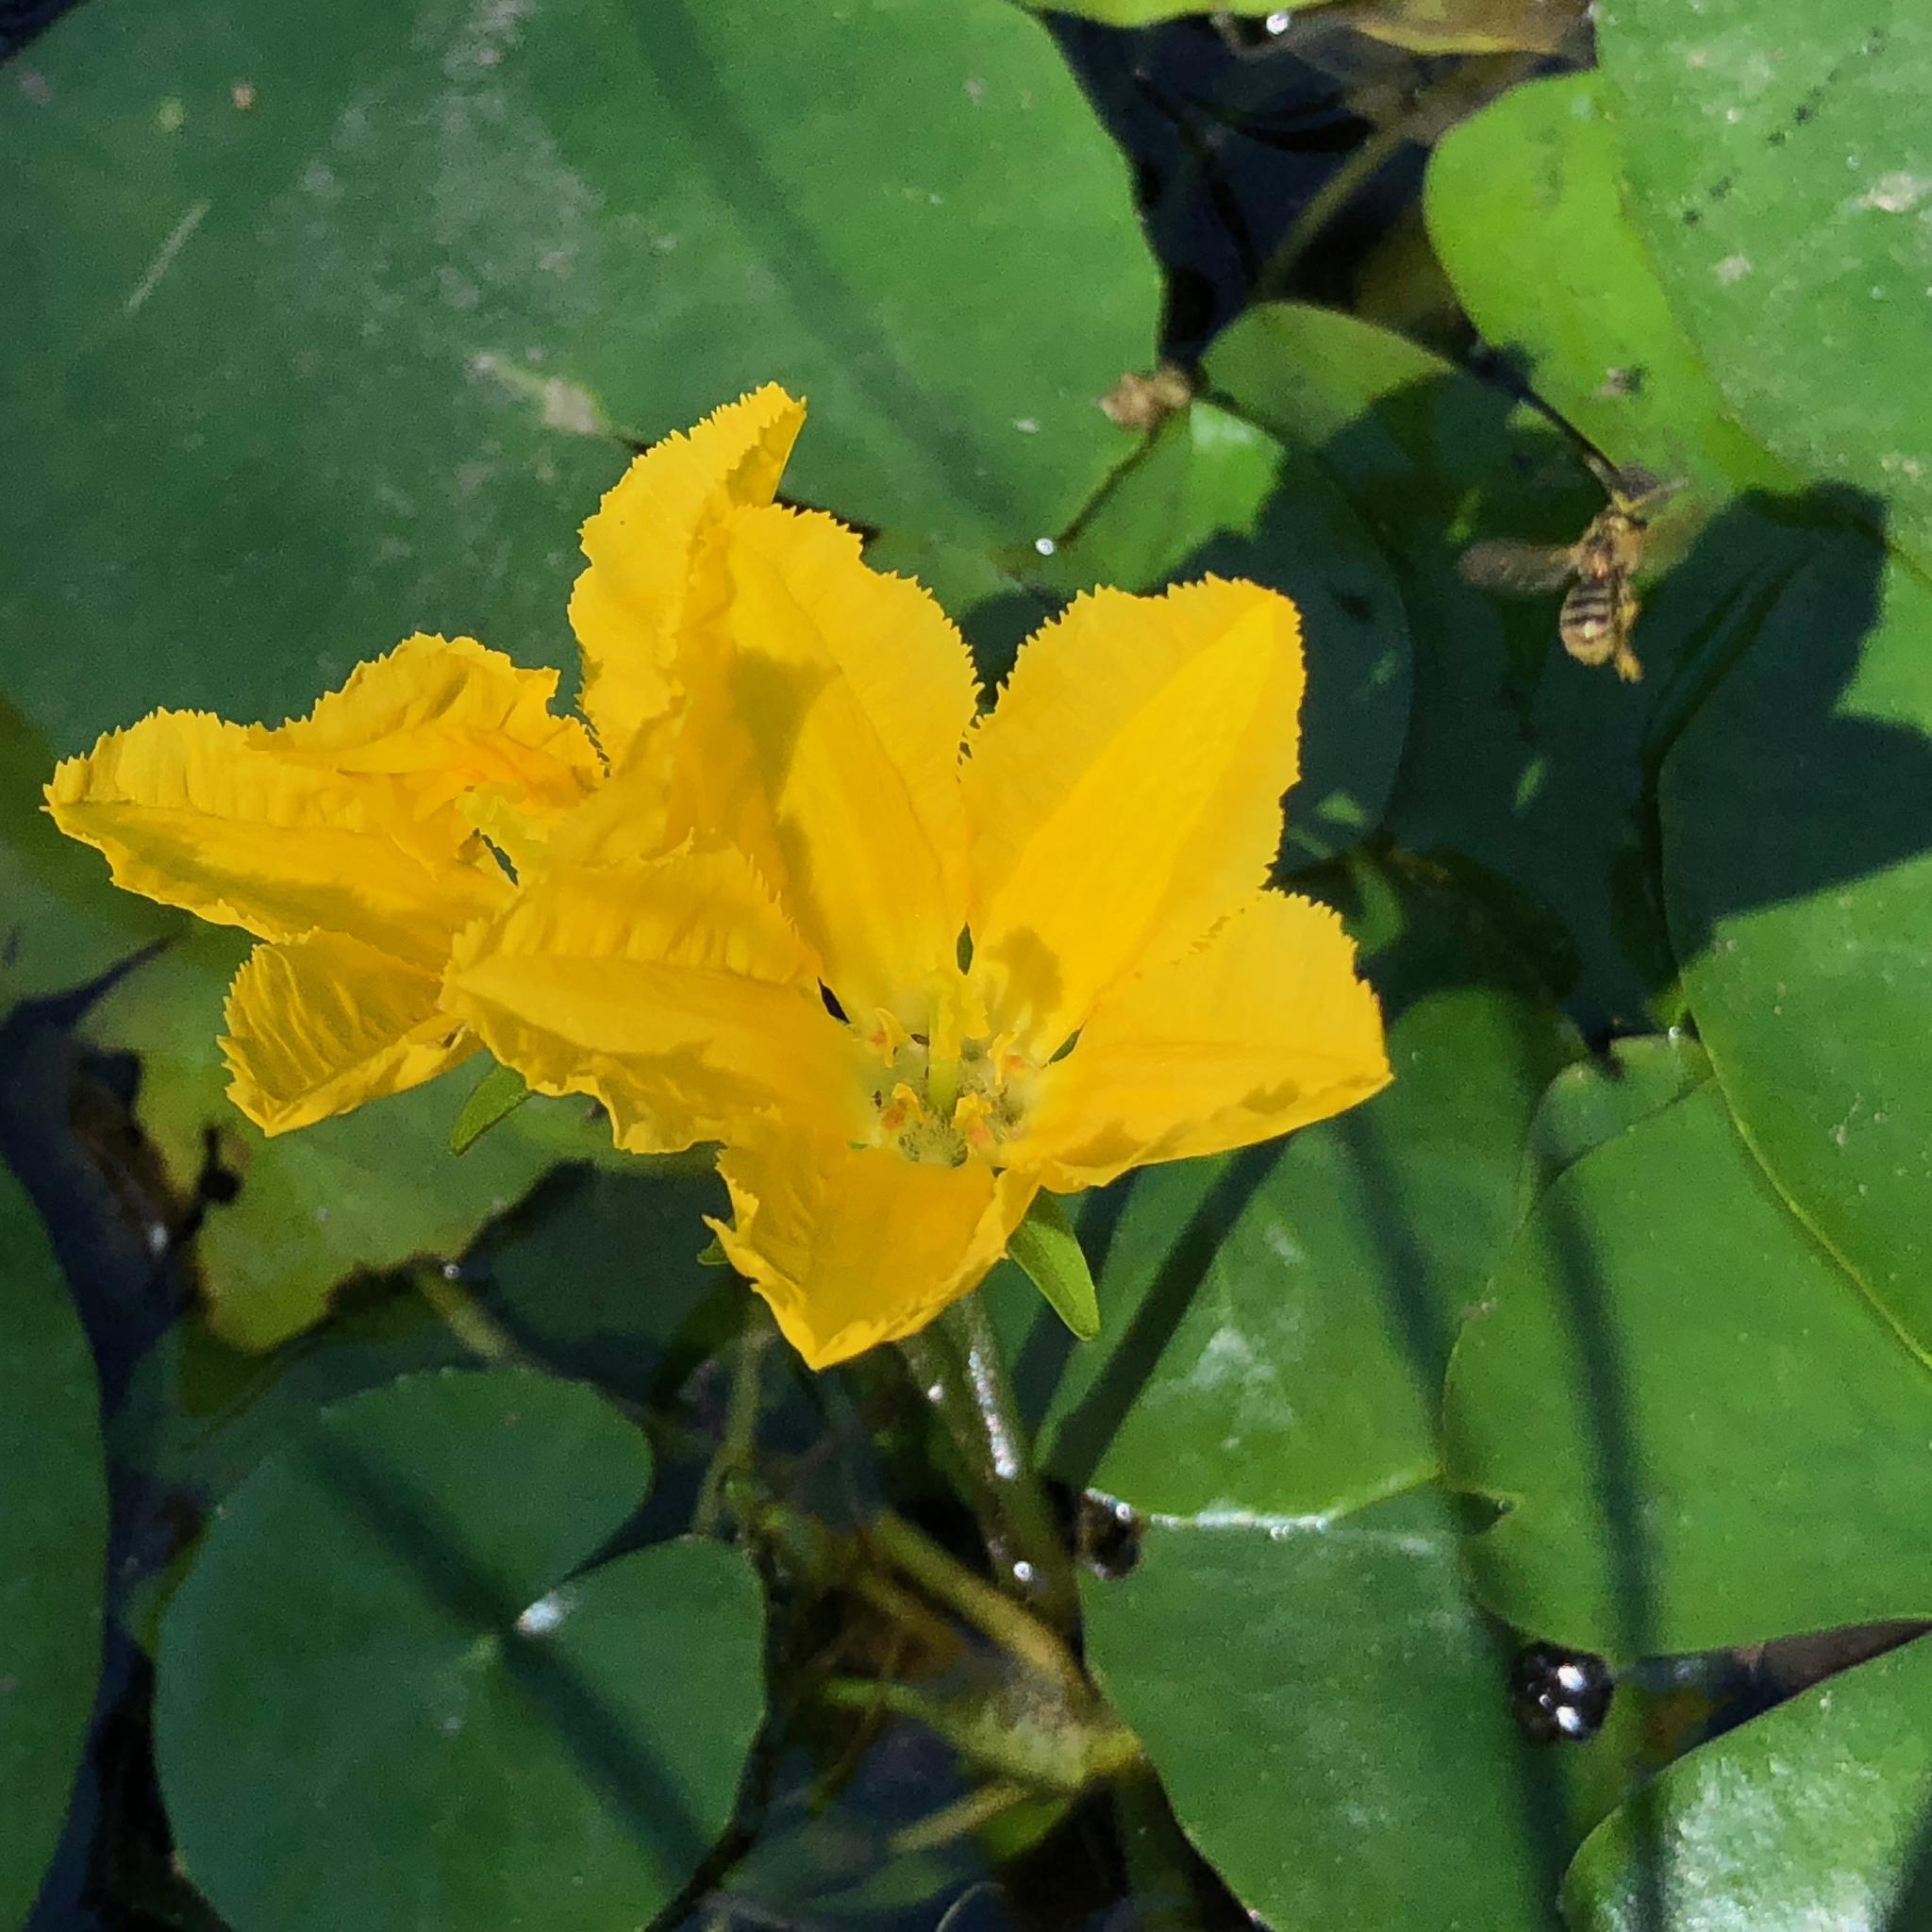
740	1424
958	1367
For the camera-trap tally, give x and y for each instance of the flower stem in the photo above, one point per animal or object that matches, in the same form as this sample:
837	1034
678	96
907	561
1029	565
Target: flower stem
991	1613
957	1365
740	1424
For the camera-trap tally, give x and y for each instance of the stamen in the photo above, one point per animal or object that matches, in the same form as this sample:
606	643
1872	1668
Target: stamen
973	1122
945	1108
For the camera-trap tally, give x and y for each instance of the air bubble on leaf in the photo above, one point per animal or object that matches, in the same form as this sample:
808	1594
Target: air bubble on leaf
545	1615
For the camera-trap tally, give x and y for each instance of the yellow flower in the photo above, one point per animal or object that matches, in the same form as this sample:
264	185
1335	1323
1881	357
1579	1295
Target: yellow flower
788	892
343	841
350	840
908	965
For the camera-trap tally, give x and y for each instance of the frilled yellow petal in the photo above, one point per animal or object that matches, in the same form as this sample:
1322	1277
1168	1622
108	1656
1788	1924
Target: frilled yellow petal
318	1025
1125	792
635	813
852	1246
824	709
206	815
674	991
444	717
626	605
1262	1029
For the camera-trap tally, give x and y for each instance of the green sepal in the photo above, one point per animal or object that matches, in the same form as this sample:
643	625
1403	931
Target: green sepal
494	1097
713	1254
1045	1246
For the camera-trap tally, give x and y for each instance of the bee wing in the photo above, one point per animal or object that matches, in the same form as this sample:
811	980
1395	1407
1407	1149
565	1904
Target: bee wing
1523	568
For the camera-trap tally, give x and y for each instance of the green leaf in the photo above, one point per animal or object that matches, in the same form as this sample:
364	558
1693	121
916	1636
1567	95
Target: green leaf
1779	166
493	1098
1796	812
1048	1252
600	1275
1566	281
52	1548
389	1685
1811	1815
1210	494
1331	1722
1700	1433
1594	1100
355	358
1326	1713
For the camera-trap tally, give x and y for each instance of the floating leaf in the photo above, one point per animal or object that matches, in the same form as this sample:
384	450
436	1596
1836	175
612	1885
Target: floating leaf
1567	283
1699	1431
1594	1100
1331	1721
52	1548
389	1687
1517	758
1796	811
1811	1815
1274	1326
1780	165
355	355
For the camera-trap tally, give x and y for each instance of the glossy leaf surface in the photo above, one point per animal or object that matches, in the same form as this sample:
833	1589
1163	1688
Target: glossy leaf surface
1567	284
1811	1815
1700	1432
1326	1711
1779	166
352	359
1797	855
390	1691
1330	1719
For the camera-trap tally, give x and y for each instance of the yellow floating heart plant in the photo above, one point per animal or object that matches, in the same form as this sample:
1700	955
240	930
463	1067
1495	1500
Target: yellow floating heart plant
908	964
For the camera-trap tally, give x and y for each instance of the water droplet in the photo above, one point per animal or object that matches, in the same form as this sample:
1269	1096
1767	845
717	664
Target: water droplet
542	1617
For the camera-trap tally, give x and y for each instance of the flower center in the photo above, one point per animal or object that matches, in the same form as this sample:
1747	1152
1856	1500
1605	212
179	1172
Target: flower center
942	1108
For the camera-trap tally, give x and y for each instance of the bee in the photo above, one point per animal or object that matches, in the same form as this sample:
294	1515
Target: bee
1599	613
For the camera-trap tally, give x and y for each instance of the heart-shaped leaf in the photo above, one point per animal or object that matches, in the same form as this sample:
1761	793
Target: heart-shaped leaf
394	1689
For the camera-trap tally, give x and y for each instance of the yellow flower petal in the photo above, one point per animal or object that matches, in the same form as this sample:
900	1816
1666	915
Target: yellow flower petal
634	814
213	817
826	704
446	716
1125	792
672	990
320	1024
626	608
1265	1029
852	1246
